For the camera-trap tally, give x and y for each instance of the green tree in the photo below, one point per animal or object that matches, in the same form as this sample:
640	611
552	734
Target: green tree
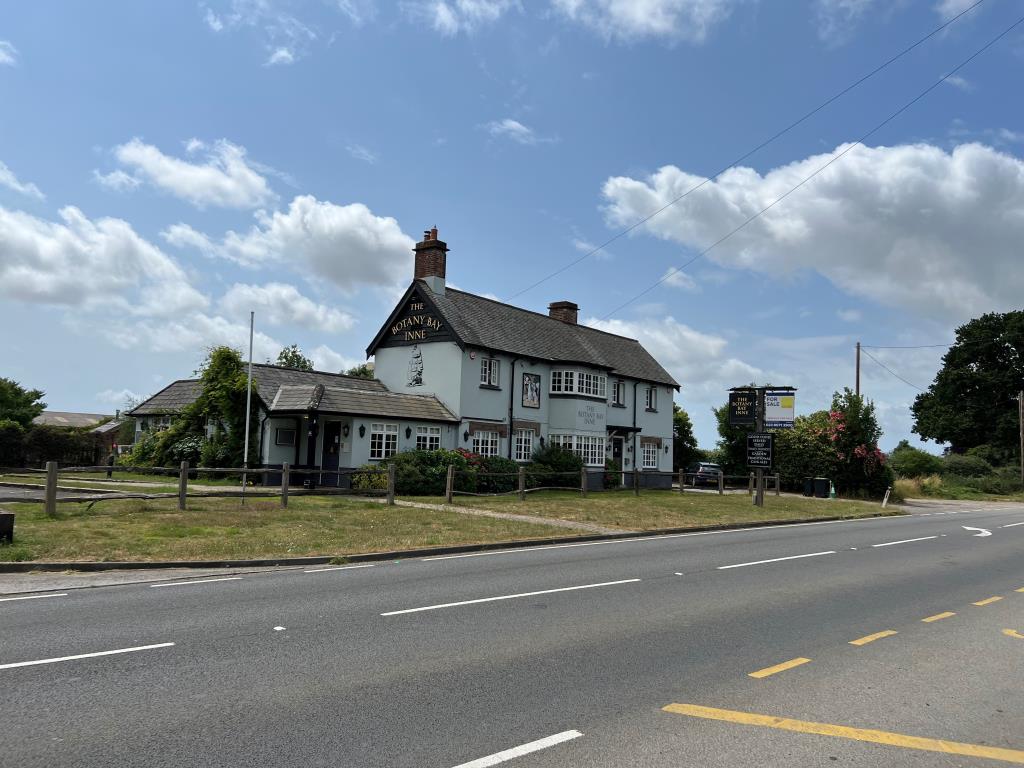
684	444
732	443
854	432
805	450
361	371
19	404
12	443
908	461
292	357
972	400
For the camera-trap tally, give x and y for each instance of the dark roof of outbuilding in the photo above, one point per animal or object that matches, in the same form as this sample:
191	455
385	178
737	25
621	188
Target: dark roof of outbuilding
171	399
362	402
483	322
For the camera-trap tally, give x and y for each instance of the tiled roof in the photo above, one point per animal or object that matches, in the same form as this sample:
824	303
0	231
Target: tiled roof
68	419
361	402
501	327
171	399
111	426
269	378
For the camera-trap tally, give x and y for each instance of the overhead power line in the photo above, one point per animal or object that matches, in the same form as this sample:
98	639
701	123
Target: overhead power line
753	151
891	371
833	159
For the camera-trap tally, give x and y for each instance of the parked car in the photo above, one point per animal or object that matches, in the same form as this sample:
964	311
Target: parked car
703	473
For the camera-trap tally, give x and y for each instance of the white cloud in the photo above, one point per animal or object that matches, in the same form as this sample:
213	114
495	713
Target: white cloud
8	54
117	180
27	188
190	332
283	304
225	179
280	56
213	21
837	18
585	246
676	278
118	397
910	226
90	264
515	131
450	17
326	359
849	315
961	83
633	19
346	244
947	9
359	152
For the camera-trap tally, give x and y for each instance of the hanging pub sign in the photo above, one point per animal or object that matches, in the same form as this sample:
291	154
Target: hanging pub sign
779	409
417	322
742	408
759	450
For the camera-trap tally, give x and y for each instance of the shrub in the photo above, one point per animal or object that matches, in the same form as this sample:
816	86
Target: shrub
907	461
187	449
994	455
12	443
425	473
498	475
554	467
962	465
370	478
612	474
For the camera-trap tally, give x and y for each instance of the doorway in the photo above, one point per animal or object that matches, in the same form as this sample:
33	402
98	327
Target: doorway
617	443
331	452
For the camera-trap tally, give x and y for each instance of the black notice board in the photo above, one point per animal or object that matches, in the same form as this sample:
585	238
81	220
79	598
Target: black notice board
759	450
742	408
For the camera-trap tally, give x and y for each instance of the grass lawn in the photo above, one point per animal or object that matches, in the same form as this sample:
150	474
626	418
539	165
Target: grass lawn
668	509
134	529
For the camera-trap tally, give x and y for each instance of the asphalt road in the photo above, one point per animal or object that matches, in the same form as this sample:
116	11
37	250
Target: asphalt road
624	653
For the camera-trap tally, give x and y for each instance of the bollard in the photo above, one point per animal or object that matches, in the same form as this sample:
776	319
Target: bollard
682	481
636	482
51	488
522	483
182	485
285	480
449	485
583	482
391	484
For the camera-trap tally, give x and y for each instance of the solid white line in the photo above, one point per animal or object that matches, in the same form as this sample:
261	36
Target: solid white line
339	568
1012	524
524	749
656	537
509	597
904	541
775	560
32	597
85	656
197	581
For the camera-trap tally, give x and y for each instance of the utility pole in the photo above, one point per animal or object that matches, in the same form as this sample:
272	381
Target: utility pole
759	478
857	386
248	407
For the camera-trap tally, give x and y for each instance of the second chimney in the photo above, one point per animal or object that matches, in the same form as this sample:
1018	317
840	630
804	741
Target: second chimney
431	257
566	311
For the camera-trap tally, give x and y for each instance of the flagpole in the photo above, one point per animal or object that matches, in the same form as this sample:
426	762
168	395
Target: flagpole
248	406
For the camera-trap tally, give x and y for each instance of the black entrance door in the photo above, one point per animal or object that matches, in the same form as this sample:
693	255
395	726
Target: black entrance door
332	451
617	456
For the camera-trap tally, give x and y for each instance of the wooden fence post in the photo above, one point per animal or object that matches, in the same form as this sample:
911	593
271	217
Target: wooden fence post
682	480
286	470
522	483
449	485
583	482
636	481
778	482
750	484
182	485
391	484
51	488
721	482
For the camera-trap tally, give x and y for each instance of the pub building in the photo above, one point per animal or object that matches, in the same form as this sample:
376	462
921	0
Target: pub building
457	370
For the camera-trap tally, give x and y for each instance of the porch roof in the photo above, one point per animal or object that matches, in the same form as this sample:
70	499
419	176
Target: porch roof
361	402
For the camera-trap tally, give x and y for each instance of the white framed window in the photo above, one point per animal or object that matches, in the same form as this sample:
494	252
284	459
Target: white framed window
651	398
383	440
485	443
556	381
284	436
619	393
489	372
579	382
650	455
590	448
524	444
428	438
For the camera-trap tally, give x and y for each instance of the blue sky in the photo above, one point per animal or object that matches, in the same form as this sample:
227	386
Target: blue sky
164	167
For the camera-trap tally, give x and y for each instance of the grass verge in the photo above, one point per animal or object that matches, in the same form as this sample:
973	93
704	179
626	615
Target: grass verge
667	509
134	529
938	487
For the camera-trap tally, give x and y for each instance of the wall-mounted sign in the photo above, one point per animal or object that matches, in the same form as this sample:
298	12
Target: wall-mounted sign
417	322
590	416
742	408
779	409
759	450
531	390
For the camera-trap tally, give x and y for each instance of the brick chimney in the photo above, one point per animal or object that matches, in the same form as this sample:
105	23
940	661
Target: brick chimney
430	260
566	311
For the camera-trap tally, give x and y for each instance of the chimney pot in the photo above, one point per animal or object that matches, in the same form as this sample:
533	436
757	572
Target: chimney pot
431	258
565	311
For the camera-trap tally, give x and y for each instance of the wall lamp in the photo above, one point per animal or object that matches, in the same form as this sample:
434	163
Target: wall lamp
408	432
362	430
666	449
345	430
465	436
